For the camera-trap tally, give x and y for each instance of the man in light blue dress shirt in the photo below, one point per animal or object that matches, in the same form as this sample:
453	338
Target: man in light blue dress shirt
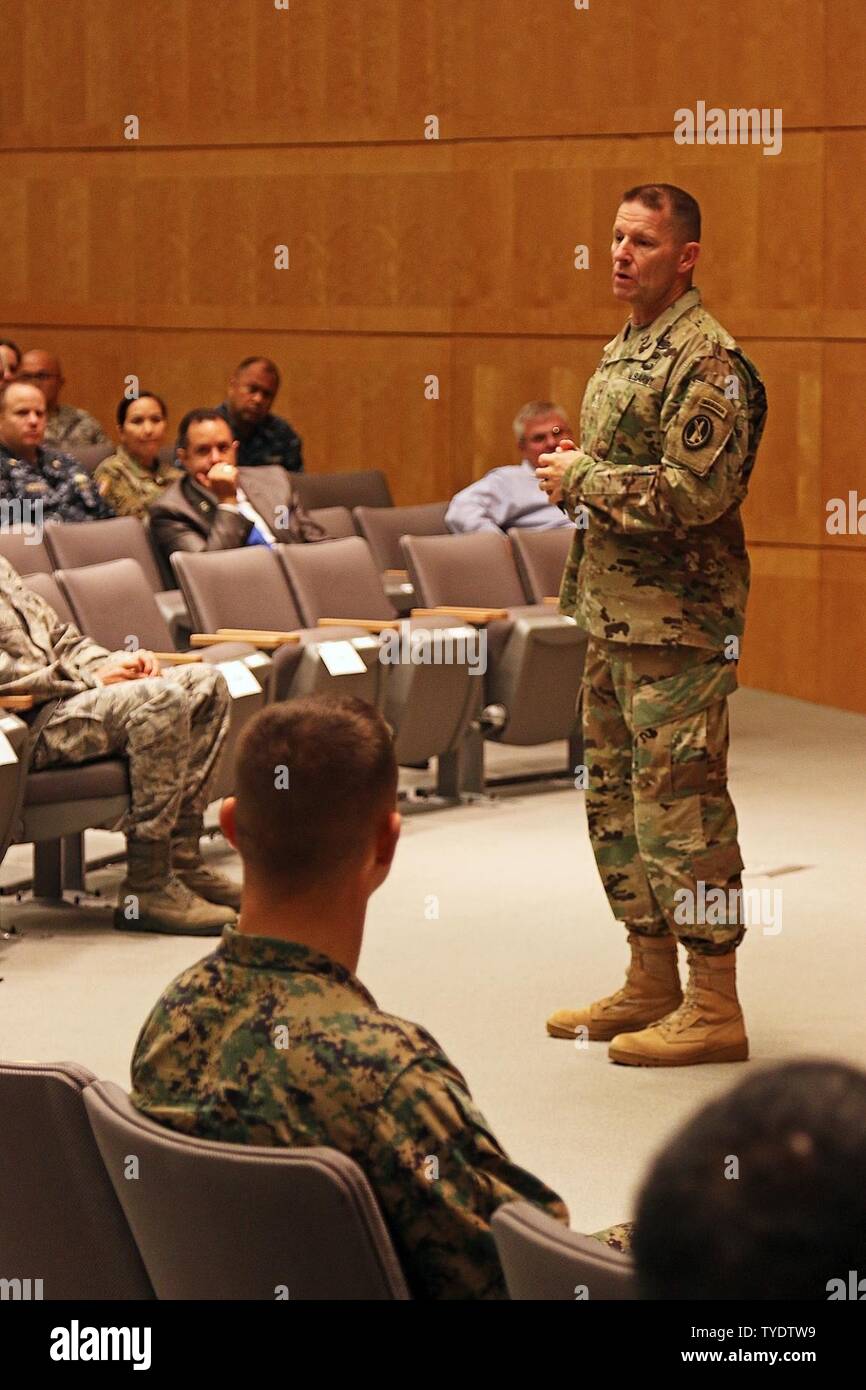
511	496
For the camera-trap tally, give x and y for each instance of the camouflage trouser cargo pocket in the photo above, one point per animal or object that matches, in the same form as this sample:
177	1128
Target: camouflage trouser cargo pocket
657	723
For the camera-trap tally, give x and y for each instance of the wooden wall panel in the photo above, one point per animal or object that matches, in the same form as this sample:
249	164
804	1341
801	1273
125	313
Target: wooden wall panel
451	258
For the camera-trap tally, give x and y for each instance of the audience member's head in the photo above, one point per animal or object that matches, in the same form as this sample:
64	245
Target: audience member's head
205	441
141	424
10	359
315	811
538	427
22	419
761	1195
252	389
43	369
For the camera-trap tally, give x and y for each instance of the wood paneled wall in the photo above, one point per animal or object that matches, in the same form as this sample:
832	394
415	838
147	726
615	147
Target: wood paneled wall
304	126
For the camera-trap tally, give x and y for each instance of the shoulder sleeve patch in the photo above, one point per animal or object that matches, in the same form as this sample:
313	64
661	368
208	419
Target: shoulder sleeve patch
701	428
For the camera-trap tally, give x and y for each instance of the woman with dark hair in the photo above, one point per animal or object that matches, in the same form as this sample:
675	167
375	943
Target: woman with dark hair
10	360
135	476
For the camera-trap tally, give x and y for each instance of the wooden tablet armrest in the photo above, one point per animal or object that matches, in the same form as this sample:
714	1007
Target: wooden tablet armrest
368	624
551	598
16	701
177	658
267	639
477	616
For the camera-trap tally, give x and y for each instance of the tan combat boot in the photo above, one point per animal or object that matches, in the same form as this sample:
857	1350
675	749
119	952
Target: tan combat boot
651	990
707	1027
190	868
153	899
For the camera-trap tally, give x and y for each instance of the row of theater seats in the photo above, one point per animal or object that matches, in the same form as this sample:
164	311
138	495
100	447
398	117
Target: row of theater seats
332	597
196	1219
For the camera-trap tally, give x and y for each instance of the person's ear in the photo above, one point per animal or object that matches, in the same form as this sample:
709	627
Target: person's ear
227	820
689	255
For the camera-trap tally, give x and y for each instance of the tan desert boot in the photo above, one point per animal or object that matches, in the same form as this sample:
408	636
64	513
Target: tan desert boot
190	868
707	1027
651	990
153	899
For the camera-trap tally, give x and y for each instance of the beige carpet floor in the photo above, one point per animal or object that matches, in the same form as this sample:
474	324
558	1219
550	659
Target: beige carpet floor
523	928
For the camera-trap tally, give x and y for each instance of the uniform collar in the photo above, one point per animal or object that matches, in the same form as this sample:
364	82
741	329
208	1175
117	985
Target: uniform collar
641	342
272	953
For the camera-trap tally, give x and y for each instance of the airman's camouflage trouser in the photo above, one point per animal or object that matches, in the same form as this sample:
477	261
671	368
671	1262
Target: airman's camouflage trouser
661	822
170	728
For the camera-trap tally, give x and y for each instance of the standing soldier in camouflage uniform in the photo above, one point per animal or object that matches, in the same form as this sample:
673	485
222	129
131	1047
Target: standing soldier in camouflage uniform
670	425
274	1040
91	703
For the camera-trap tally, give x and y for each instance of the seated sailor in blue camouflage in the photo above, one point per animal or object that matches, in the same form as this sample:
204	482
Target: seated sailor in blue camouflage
50	484
274	1040
670	425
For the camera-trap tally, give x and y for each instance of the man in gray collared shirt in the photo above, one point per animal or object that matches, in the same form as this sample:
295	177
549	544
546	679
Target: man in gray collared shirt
510	496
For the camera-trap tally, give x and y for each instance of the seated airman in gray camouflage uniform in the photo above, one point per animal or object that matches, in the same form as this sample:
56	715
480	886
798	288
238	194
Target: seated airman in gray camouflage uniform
274	1040
91	703
670	426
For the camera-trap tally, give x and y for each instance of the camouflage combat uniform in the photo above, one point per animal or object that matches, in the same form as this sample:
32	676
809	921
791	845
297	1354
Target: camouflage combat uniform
55	483
211	1061
170	728
128	487
670	425
70	428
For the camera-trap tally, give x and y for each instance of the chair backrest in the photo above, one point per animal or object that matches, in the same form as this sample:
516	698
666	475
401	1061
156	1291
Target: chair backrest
366	488
540	558
236	588
113	602
477	570
337	580
46	586
90	455
60	1220
336	522
24	557
92	543
382	528
544	1260
228	1221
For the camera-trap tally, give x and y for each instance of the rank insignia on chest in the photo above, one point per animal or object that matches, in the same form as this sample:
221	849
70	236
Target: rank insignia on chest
643	377
697	431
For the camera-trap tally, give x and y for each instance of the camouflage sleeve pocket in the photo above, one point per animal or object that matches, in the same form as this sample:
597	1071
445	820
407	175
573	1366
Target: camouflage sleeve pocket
700	429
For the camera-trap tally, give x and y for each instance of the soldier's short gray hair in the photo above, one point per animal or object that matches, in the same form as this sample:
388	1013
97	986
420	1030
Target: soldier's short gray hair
533	410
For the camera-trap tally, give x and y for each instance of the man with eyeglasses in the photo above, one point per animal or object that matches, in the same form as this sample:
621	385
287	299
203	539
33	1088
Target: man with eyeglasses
66	427
510	496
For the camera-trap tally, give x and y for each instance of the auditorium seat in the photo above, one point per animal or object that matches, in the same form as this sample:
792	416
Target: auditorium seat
60	1221
113	602
24	557
235	1222
335	521
46	586
382	528
429	705
90	455
540	557
368	488
247	588
535	656
545	1261
72	544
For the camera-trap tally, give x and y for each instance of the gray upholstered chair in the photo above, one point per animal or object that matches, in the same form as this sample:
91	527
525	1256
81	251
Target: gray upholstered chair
227	1221
23	556
541	557
335	521
544	1260
247	588
60	1221
382	528
365	488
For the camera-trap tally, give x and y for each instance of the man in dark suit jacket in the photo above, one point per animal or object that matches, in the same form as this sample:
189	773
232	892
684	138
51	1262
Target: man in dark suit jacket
217	506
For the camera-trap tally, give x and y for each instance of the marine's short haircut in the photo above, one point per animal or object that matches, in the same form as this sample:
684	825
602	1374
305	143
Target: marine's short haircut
265	361
313	776
761	1194
532	411
123	406
196	417
6	387
683	208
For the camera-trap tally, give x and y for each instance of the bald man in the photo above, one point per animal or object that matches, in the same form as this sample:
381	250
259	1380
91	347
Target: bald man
66	427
